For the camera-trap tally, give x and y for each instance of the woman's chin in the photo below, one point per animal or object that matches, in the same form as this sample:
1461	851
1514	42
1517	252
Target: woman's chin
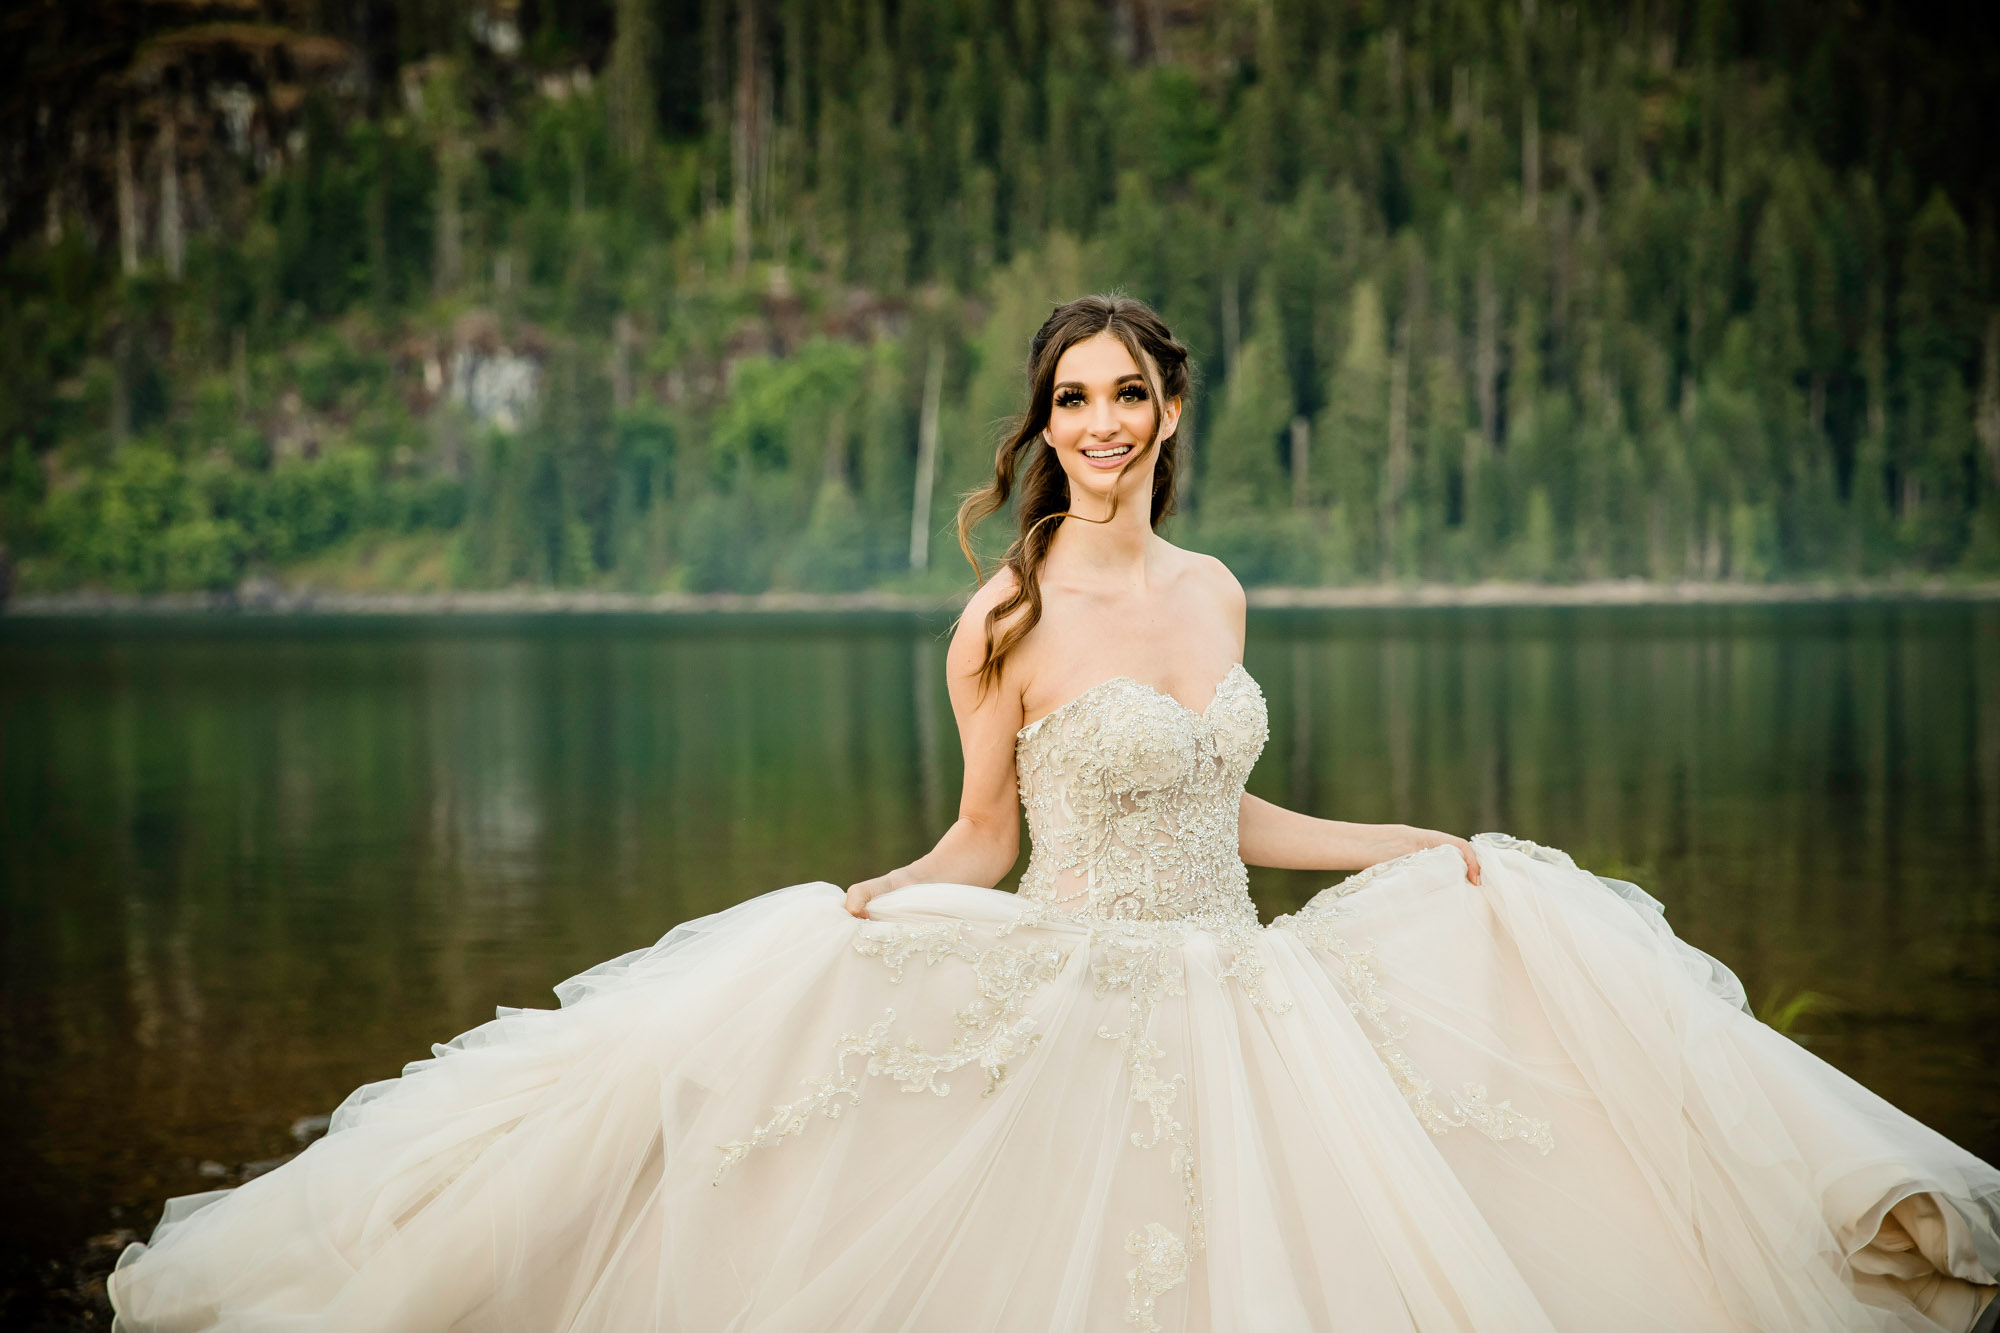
1102	485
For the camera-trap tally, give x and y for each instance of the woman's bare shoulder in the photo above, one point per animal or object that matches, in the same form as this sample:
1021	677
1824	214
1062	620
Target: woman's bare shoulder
1211	576
969	638
988	596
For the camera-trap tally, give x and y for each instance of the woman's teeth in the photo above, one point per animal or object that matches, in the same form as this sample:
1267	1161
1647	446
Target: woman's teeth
1115	451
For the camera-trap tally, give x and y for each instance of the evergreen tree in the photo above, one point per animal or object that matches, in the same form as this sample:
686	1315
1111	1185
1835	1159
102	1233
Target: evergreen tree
643	296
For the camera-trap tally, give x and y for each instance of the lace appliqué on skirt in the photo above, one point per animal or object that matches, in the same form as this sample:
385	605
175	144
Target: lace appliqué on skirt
994	1028
1143	960
1163	1265
1472	1105
1146	965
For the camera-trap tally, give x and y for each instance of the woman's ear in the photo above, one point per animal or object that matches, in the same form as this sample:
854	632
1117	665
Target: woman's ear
1170	420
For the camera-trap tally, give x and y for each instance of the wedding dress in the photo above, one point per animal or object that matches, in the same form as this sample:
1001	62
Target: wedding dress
1114	1100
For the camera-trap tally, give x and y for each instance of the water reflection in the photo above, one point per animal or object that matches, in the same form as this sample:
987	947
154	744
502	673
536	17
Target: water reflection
245	867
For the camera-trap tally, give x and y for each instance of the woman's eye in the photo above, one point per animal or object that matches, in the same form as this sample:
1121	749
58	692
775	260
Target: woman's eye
1069	400
1131	393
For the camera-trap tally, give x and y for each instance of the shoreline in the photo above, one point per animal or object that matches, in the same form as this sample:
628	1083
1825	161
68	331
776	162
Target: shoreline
524	601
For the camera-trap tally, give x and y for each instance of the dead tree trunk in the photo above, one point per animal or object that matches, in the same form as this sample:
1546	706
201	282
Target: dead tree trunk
1396	466
744	132
1531	157
1486	352
173	234
128	198
1988	419
1301	463
622	339
927	432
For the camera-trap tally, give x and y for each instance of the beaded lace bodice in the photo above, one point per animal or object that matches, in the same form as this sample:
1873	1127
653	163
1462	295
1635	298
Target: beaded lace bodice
1132	801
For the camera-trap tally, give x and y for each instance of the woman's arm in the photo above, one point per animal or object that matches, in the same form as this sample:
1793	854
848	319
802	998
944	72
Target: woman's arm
981	846
972	851
1270	835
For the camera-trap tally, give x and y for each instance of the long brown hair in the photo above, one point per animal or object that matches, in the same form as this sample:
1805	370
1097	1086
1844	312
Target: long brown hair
1044	486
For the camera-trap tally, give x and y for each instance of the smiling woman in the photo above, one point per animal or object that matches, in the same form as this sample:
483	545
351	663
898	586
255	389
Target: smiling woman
1473	1088
1103	408
1099	372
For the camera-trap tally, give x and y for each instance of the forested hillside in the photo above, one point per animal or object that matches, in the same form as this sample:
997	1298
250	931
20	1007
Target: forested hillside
731	295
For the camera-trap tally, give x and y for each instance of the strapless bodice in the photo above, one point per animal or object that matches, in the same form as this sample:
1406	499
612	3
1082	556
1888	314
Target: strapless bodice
1132	801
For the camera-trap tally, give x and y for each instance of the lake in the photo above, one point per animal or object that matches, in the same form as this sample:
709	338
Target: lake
248	864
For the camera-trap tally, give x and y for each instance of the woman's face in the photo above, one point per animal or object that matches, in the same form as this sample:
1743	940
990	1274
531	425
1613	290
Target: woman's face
1100	415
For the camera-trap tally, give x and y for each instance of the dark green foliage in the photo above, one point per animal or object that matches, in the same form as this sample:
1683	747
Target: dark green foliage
1543	291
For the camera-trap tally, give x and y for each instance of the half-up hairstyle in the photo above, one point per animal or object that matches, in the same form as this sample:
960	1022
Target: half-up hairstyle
1043	485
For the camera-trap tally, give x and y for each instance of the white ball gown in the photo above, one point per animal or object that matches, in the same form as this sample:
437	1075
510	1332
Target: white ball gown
1114	1100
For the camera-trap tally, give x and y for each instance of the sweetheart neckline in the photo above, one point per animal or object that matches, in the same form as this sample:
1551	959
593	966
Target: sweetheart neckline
1198	713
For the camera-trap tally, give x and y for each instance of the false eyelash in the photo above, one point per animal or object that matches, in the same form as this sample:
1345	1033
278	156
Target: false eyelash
1130	393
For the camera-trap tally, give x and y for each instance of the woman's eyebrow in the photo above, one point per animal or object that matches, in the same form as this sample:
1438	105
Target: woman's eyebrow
1075	384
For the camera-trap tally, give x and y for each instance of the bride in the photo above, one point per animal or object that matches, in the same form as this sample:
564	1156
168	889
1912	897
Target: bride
1472	1087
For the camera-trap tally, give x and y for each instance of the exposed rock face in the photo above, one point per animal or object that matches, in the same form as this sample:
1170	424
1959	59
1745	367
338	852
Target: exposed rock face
494	374
498	387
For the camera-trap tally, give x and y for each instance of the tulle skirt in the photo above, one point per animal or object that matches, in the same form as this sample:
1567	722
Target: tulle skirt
1416	1104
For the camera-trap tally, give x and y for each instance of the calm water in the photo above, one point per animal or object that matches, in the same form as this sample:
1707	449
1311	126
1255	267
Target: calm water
246	866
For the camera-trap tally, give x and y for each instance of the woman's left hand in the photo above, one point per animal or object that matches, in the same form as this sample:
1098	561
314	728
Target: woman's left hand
1419	839
860	895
